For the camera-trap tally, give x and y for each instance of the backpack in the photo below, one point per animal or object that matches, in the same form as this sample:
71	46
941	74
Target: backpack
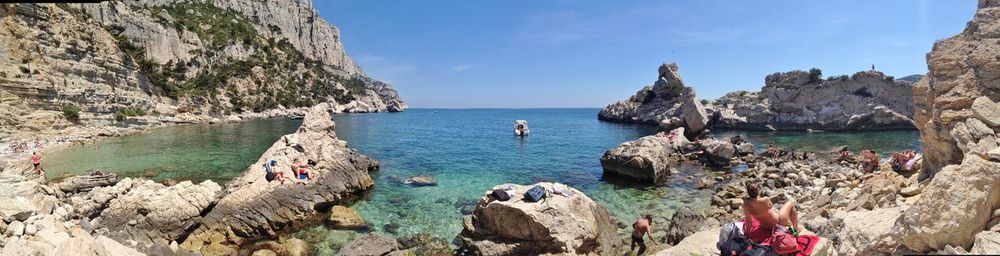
732	243
268	173
500	194
535	194
759	250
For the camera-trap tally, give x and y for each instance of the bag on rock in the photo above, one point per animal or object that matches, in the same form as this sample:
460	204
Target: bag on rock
535	194
785	243
731	241
500	194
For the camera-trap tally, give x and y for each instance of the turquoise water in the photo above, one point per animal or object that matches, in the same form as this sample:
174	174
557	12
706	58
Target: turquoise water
467	150
196	152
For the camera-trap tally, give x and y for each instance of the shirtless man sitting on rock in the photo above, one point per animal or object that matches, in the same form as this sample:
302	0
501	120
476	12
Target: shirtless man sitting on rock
761	209
640	228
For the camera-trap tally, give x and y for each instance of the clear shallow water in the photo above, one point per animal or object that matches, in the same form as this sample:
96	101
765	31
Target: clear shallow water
468	151
196	152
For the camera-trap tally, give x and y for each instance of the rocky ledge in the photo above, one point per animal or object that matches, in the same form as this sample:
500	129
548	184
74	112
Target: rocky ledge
253	208
107	216
795	100
568	223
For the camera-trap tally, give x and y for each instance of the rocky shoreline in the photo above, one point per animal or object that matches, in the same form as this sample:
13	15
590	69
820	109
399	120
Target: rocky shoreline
796	100
138	216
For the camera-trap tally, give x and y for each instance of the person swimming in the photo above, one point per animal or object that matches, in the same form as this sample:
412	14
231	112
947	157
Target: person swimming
761	209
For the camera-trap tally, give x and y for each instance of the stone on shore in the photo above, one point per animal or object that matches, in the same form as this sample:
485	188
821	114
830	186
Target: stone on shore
558	225
695	116
254	207
649	158
719	152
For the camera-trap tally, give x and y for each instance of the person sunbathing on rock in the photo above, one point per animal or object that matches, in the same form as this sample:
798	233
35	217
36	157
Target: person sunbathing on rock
761	209
270	174
772	151
641	228
301	171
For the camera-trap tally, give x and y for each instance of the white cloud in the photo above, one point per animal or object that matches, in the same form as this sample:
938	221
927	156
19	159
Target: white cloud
460	68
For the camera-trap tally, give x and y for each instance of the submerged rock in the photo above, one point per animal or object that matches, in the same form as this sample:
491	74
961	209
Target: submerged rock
416	181
254	207
369	245
345	218
557	225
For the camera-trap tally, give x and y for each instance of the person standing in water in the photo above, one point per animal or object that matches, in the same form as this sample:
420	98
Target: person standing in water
36	160
641	228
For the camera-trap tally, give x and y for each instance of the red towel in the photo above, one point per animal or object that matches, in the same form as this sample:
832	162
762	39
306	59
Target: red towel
806	244
763	235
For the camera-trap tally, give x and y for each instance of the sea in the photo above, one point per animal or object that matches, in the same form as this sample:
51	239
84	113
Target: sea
467	151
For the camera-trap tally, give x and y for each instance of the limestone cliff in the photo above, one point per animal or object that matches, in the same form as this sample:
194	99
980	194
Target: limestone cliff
167	57
795	100
958	117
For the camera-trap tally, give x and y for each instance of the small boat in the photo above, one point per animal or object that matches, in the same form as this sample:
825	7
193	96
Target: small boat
521	128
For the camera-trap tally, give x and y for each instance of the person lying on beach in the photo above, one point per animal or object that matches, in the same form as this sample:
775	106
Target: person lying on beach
772	151
903	161
761	209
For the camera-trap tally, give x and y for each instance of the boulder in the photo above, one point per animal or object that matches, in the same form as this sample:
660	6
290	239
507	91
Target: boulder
342	217
649	158
558	225
695	116
866	232
686	221
254	207
942	215
700	243
21	198
15	228
719	152
987	242
369	245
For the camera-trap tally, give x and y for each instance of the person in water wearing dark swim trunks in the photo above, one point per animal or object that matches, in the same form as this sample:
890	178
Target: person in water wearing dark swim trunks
36	161
761	209
640	228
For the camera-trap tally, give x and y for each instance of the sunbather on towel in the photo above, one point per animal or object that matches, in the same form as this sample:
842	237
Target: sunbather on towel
761	209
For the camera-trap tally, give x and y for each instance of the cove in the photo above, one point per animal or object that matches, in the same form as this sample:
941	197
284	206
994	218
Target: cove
467	150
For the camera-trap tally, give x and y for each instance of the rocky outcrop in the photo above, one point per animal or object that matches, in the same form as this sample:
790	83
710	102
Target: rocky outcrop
667	101
152	213
117	59
957	117
793	100
83	183
685	222
650	158
558	225
254	207
867	100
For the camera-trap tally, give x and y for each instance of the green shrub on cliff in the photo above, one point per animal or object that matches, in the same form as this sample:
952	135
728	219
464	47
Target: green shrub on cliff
123	113
71	112
815	75
220	27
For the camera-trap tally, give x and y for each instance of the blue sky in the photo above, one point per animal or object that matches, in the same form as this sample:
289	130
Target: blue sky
564	53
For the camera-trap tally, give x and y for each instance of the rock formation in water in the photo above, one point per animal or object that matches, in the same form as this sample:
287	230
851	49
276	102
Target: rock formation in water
252	207
167	58
570	225
795	100
667	101
651	158
958	117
